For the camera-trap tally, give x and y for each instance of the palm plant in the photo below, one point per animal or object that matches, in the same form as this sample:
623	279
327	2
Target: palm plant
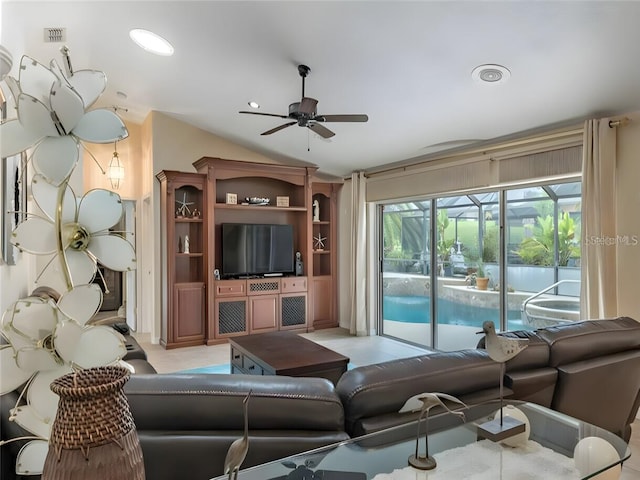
539	248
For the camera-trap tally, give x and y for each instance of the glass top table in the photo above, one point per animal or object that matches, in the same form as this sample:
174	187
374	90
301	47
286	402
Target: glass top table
459	451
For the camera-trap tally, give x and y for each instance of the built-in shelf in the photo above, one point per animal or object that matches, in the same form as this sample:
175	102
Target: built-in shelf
184	311
232	206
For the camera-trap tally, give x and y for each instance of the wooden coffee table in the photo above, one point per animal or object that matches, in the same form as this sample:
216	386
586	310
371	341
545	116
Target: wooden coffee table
285	353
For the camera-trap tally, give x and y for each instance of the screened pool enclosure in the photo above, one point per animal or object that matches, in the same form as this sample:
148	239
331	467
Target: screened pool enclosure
435	253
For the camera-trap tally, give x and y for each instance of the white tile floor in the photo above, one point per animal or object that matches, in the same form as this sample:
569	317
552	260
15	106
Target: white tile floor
361	351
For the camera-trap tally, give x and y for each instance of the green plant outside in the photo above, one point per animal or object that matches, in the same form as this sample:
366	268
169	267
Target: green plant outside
539	248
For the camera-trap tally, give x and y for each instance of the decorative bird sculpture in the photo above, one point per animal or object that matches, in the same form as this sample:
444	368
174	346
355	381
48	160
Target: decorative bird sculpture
501	349
238	449
425	402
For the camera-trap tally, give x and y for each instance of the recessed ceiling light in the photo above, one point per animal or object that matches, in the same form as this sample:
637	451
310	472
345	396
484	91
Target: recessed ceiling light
253	104
151	42
491	74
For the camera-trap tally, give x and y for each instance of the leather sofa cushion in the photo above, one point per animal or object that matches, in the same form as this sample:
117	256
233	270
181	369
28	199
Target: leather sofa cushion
383	388
200	455
214	402
578	341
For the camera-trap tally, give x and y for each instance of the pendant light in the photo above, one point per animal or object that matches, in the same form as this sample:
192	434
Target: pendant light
115	172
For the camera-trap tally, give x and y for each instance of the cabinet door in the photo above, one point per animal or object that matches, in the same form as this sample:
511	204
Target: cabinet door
231	316
189	311
263	311
293	311
322	309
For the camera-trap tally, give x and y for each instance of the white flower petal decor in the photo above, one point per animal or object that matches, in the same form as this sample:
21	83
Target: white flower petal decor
89	84
64	149
107	202
47	339
47	195
81	303
36	235
31	457
11	376
100	126
50	105
15	138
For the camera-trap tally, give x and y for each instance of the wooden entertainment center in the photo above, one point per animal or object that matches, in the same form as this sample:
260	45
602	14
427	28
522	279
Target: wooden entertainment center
200	308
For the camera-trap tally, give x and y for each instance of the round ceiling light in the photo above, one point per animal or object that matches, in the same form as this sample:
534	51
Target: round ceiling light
491	74
151	42
254	104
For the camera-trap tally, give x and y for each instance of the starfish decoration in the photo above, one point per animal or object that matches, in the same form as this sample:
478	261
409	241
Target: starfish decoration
318	242
183	209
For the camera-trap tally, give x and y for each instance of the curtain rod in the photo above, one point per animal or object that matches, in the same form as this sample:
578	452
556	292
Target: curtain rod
619	123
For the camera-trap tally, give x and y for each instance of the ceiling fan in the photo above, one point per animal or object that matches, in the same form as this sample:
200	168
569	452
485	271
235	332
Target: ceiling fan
304	114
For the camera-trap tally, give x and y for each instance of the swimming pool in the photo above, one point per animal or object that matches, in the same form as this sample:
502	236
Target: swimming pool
416	309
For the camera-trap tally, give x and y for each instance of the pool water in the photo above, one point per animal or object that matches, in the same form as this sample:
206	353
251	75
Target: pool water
416	309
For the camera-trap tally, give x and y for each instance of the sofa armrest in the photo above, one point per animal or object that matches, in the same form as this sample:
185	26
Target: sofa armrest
602	391
535	386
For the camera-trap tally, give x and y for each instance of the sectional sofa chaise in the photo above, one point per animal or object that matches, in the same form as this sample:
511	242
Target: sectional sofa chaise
589	370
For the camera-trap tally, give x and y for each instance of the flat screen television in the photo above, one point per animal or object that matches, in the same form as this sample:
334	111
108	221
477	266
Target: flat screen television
256	249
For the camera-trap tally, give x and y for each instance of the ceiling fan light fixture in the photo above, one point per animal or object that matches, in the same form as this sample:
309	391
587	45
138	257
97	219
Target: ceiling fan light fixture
151	42
491	74
254	104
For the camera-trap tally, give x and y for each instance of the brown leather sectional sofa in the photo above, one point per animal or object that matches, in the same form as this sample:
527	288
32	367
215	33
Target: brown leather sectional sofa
590	370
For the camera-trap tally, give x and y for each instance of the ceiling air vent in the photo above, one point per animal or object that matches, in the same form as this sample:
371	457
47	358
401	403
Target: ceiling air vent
53	35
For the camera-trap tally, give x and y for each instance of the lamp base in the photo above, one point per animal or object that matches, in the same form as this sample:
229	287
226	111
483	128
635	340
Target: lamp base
497	431
422	463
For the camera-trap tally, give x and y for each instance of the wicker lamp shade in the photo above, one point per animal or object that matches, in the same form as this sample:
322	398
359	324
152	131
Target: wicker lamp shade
93	435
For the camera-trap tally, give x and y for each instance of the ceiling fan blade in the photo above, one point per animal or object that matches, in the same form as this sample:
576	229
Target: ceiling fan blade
321	130
308	105
265	114
277	129
342	118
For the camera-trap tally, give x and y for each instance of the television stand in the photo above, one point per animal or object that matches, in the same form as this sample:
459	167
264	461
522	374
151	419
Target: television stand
260	305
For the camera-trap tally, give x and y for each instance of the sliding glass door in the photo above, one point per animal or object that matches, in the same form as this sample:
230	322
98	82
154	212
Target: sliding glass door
406	265
443	261
467	284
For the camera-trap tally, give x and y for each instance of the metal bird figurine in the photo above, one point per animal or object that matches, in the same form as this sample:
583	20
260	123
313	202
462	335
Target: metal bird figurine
425	402
501	349
238	449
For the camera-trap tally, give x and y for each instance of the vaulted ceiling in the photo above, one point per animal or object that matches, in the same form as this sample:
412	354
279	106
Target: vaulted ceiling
407	65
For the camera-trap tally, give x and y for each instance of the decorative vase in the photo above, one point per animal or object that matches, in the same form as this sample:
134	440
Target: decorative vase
482	283
93	435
